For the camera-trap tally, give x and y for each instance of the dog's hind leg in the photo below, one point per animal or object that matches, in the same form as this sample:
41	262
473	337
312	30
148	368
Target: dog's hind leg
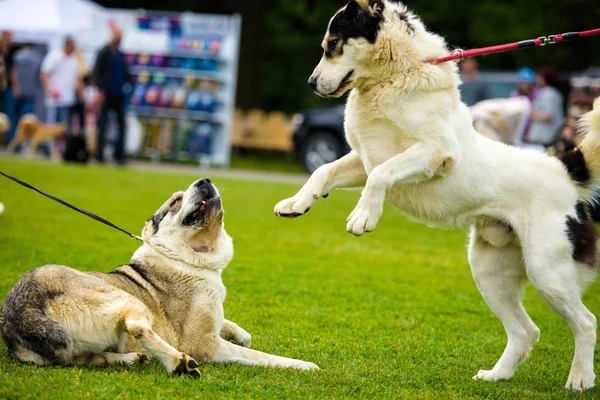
555	274
138	323
106	358
500	274
26	355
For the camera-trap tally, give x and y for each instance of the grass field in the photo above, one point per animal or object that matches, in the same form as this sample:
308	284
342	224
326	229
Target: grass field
394	314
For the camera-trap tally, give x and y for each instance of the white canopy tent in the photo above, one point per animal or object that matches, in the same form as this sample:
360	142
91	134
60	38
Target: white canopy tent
49	21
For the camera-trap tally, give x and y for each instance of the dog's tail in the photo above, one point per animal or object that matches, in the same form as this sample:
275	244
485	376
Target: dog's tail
24	323
583	163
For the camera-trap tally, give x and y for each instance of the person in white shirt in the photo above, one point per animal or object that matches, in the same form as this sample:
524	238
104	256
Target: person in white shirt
61	81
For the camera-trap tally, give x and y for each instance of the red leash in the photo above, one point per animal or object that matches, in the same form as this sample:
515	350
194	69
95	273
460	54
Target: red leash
541	41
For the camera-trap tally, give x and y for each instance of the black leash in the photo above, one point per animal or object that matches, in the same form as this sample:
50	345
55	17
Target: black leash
64	203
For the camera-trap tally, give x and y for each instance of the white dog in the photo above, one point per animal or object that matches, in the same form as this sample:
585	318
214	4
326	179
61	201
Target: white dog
413	143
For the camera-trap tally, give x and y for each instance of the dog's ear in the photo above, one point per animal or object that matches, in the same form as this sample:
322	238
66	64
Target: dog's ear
375	6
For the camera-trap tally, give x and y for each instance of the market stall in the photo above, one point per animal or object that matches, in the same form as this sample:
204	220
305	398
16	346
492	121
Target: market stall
184	69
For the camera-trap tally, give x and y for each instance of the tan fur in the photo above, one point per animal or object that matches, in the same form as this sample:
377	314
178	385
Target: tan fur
32	130
167	303
4	124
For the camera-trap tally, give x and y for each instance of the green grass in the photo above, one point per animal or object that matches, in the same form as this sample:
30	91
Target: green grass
266	161
394	314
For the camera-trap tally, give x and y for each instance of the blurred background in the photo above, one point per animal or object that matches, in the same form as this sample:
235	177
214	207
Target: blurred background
221	82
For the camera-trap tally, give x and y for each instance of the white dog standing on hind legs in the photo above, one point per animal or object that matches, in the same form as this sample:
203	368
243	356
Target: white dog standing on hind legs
413	143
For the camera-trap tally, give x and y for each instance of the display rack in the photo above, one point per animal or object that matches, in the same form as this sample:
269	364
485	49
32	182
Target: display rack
184	68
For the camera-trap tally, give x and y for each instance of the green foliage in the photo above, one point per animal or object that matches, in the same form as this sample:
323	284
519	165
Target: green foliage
295	29
392	315
293	48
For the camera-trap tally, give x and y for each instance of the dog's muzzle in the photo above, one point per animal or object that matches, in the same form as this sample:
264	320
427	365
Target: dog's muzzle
206	203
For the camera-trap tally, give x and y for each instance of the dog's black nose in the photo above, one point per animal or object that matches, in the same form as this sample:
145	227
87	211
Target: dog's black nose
202	182
312	82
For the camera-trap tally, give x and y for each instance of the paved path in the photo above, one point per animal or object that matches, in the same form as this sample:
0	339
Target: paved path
247	175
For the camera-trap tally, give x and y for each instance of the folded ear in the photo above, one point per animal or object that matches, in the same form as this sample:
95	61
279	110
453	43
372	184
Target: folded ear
372	5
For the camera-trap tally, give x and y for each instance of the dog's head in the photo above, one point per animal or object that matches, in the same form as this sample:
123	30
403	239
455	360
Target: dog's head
370	40
189	223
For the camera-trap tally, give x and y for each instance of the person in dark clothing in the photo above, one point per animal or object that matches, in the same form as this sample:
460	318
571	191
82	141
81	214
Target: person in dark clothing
110	75
27	64
472	90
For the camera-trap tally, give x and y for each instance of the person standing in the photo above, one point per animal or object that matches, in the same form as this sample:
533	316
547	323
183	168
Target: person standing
77	111
7	96
60	80
472	89
547	115
526	85
27	64
110	75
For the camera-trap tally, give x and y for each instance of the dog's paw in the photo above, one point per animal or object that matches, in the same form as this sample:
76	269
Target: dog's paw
134	358
294	206
364	218
303	365
580	378
187	366
243	339
491	375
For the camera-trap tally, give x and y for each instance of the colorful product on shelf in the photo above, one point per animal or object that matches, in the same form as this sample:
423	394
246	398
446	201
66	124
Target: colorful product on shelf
208	101
181	93
167	95
181	137
137	97
180	64
214	46
188	63
151	134
174	62
200	140
165	139
205	64
132	59
158	60
194	101
152	96
144	59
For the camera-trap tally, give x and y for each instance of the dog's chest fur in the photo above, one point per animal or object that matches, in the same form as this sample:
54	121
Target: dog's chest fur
184	304
376	138
371	134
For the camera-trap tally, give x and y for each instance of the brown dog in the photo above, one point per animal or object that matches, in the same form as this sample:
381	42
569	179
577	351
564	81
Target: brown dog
31	129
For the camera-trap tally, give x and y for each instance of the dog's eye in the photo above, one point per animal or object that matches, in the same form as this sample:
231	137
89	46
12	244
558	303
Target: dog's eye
333	43
175	203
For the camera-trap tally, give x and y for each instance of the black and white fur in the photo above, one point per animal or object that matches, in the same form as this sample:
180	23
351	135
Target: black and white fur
413	143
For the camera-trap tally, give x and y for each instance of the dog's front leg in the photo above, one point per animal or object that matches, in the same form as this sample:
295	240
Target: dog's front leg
229	352
346	172
233	333
418	163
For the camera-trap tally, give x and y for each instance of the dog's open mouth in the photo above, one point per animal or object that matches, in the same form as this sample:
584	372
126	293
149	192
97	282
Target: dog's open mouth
343	84
204	212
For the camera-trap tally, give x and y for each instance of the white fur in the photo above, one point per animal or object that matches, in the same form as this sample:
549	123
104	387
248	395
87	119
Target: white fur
413	143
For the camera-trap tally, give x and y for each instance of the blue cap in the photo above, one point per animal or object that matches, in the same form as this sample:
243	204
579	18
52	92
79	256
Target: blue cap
526	75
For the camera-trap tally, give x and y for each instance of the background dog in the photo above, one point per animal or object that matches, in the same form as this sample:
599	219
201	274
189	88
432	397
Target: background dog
167	302
413	143
31	129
